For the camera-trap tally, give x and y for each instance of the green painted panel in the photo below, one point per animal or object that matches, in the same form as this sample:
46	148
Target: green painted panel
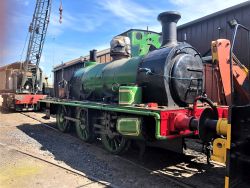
129	126
89	63
129	95
133	110
141	41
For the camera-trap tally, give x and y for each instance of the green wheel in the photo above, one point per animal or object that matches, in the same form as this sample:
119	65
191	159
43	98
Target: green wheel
116	145
61	122
111	139
83	128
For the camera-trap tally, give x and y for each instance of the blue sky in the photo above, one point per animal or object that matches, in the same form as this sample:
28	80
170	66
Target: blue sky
89	24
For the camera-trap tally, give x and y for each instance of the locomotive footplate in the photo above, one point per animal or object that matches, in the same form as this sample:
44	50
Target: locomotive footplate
137	122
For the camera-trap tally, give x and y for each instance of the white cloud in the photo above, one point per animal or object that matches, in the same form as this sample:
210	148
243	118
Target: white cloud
54	28
127	10
102	47
12	51
20	18
42	59
193	9
156	26
26	3
79	22
55	53
134	14
23	3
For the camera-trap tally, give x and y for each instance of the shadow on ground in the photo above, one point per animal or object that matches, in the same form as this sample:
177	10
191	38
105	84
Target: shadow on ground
6	111
94	161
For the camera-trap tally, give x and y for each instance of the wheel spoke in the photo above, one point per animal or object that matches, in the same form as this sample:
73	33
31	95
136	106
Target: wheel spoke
82	127
111	140
116	143
62	124
112	144
81	131
85	134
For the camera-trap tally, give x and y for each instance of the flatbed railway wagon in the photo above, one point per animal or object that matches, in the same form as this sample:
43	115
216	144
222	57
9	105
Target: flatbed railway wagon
11	77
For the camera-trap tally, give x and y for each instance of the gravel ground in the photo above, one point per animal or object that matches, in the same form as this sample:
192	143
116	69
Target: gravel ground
19	170
127	171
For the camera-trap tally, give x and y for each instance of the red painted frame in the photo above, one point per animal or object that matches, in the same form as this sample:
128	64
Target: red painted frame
174	123
28	99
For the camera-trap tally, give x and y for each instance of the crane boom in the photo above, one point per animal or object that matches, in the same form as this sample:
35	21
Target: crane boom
38	29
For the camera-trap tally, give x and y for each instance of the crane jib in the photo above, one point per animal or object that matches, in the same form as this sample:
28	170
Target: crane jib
38	29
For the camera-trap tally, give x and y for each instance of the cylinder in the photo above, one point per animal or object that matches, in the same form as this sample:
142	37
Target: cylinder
169	32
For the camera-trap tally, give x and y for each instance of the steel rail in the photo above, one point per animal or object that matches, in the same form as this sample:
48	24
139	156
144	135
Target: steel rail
155	172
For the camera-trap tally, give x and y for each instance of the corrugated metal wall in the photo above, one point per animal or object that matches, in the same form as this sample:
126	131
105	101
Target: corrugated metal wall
201	33
104	58
65	74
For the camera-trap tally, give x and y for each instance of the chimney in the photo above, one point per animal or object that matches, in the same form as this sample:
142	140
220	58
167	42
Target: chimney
93	55
169	32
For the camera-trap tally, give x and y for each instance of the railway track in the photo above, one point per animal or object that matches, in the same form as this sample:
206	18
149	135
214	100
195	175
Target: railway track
174	180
